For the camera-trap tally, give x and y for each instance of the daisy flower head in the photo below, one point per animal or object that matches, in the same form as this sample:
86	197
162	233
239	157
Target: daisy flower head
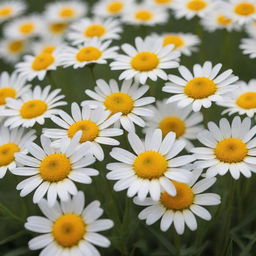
32	107
53	171
11	142
95	126
55	28
182	121
91	52
147	59
161	3
201	88
153	165
125	99
69	228
248	45
47	45
10	9
180	210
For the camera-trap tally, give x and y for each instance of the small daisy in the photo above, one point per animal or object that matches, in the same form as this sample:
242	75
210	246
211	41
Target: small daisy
127	100
147	60
228	148
202	88
170	118
153	166
182	208
11	142
32	107
47	45
161	3
55	28
86	29
94	125
92	51
251	28
54	171
69	228
248	45
10	9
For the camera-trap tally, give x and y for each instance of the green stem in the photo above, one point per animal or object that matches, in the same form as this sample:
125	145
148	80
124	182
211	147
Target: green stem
177	243
91	67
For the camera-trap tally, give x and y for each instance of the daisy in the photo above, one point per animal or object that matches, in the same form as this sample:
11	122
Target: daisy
56	28
127	100
69	228
251	28
47	45
86	29
53	171
152	167
170	118
10	9
92	51
146	60
248	45
182	208
11	142
94	125
161	3
227	148
32	107
202	88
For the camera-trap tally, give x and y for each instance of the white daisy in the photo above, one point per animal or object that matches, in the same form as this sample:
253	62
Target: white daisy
161	3
152	167
170	118
248	45
94	125
86	29
10	9
126	99
147	60
55	28
180	210
69	228
54	171
228	148
202	88
11	142
32	107
47	45
251	28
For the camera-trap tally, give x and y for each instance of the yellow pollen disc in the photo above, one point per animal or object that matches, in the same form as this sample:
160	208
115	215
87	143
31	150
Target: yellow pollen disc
67	12
144	15
55	167
95	31
16	46
27	28
247	100
163	1
200	87
196	5
68	230
183	199
7	152
57	28
224	20
171	39
119	102
231	150
48	49
145	61
89	53
172	124
42	61
90	130
32	109
5	12
245	9
150	165
115	7
6	92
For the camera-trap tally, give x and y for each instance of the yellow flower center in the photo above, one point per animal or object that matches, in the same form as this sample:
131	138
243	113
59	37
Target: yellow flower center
6	92
67	12
163	1
145	61
58	28
247	100
172	124
224	20
32	109
90	130
119	102
144	15
4	12
89	53
244	9
183	199
48	49
16	46
42	61
200	87
172	39
115	7
196	5
68	230
27	28
95	31
7	152
231	150
150	165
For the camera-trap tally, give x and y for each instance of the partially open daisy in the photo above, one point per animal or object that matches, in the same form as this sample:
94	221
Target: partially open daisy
94	125
125	99
170	118
248	45
152	167
146	60
86	29
180	210
11	142
92	51
69	228
32	107
10	9
202	88
47	45
227	148
53	171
